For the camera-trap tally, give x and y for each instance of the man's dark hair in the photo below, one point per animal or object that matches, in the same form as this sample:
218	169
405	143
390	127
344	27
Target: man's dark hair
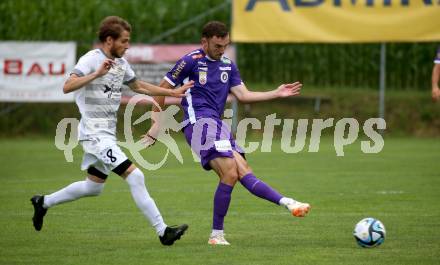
214	28
112	26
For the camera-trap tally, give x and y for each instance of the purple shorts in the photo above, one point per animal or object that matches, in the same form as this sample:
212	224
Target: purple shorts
210	138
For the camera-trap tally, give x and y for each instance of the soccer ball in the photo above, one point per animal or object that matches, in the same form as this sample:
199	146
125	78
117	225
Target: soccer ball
369	232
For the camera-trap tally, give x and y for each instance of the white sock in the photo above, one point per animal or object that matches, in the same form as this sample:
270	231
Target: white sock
144	202
73	192
216	232
284	201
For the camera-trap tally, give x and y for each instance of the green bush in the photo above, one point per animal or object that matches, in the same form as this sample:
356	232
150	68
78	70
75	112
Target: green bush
407	113
323	65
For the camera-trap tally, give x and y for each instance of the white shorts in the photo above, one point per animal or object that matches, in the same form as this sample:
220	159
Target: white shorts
102	153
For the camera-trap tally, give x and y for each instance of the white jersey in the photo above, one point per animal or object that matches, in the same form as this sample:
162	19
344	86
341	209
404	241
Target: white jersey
99	100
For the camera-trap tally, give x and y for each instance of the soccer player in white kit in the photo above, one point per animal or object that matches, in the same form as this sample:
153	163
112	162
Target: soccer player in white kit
97	79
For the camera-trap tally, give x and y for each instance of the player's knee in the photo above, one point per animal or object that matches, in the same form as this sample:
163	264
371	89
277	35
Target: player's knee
231	176
243	168
93	188
136	178
95	191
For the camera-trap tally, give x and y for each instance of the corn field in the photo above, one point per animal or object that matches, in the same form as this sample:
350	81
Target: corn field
320	65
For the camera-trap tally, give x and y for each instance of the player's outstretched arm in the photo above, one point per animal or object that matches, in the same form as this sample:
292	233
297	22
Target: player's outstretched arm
284	90
435	80
150	137
152	90
75	82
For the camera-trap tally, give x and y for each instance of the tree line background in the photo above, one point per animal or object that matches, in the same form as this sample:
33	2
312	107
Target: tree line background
318	65
346	74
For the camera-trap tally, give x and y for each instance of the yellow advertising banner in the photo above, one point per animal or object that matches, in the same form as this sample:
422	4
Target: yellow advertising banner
335	20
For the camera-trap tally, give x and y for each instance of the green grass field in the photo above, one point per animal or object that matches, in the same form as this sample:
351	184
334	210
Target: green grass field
400	186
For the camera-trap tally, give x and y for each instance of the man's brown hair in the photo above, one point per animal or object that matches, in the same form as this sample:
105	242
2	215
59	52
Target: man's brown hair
112	26
214	28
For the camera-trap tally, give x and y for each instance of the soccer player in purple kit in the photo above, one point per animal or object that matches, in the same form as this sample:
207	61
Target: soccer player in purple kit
216	76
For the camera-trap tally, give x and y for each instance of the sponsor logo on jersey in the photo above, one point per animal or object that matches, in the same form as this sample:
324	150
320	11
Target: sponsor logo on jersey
179	69
226	60
205	69
193	52
197	56
107	89
203	78
201	63
224	77
225	68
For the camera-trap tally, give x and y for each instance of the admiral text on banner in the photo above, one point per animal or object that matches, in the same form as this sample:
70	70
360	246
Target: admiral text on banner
335	20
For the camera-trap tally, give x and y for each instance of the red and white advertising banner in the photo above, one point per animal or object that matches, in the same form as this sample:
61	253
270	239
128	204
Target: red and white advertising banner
35	71
152	62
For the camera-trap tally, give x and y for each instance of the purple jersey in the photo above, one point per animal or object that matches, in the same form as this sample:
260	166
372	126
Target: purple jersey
212	83
437	57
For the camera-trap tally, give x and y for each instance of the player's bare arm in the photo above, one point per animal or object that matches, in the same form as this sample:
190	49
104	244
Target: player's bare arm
150	137
75	82
160	100
435	80
152	90
284	90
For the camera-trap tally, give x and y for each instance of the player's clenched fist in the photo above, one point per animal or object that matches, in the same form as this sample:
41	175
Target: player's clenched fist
105	67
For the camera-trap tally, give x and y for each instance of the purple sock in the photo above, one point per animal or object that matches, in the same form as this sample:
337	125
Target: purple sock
260	189
222	198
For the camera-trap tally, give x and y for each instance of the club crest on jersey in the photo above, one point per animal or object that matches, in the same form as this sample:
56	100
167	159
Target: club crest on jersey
203	77
224	77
